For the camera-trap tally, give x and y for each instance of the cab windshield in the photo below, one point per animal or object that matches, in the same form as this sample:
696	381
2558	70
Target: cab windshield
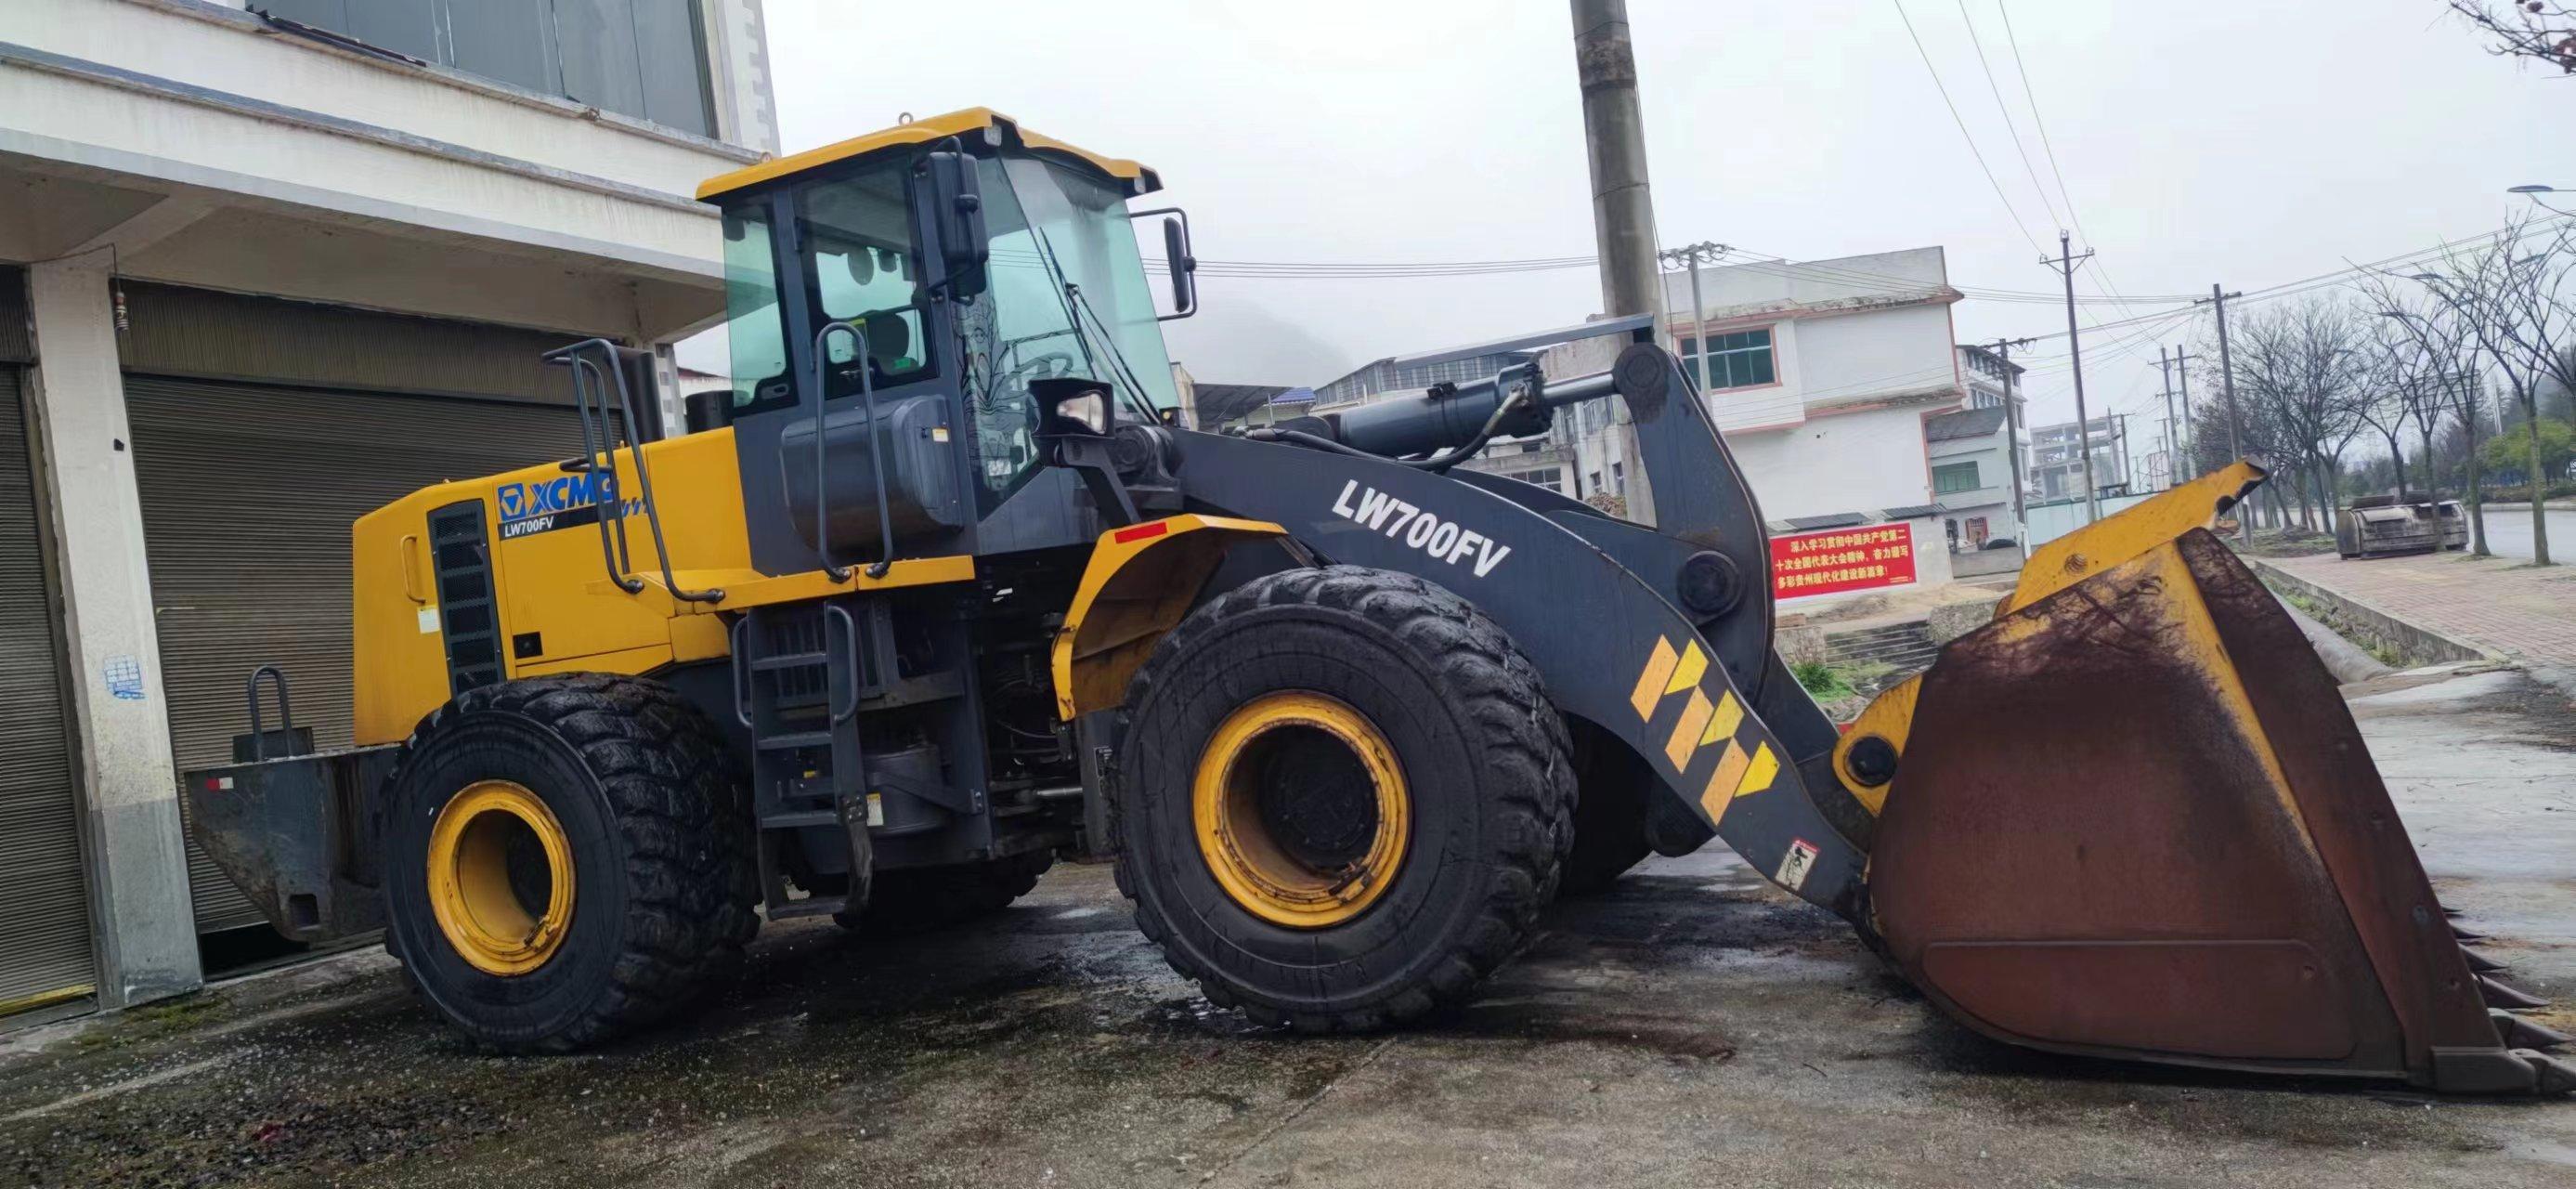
1067	297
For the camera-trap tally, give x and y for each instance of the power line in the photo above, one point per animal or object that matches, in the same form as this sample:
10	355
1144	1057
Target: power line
2032	97
1955	118
1986	68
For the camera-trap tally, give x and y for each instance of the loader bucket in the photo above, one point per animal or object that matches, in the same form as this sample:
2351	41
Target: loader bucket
2134	819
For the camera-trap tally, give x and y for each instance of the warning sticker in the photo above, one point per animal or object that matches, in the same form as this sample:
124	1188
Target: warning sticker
1795	864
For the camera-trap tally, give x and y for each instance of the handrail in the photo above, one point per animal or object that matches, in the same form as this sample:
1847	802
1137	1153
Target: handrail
618	560
285	713
876	451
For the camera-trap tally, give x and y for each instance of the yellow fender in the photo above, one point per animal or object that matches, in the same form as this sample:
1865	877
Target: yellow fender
1141	580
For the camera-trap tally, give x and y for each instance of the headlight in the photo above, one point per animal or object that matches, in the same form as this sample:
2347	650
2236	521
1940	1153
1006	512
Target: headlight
1090	410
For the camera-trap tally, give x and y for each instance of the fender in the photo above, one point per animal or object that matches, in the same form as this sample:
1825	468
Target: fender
1611	648
1140	581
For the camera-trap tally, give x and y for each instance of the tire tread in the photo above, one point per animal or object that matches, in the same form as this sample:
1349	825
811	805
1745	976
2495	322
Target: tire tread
676	799
1526	748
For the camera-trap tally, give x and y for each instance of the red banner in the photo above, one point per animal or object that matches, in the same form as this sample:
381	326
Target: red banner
1864	557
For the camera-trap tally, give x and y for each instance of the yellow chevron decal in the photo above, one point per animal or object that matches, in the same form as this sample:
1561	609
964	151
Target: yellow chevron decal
1758	774
1720	792
1694	665
1685	739
1729	714
1650	683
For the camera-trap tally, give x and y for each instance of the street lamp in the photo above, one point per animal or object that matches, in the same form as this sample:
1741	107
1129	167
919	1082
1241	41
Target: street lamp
2532	191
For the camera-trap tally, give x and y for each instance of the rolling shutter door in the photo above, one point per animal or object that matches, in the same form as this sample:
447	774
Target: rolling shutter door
248	493
44	901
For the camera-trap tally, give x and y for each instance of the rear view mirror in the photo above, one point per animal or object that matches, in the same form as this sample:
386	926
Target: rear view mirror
1185	281
1176	255
957	209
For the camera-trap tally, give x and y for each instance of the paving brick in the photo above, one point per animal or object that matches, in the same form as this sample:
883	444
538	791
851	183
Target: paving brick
2524	611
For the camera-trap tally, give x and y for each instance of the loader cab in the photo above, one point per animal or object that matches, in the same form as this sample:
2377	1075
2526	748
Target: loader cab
901	294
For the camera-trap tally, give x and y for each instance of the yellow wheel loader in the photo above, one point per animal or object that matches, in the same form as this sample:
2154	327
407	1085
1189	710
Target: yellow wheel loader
943	590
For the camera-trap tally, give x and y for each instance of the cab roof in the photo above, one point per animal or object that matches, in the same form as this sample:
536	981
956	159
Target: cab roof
994	127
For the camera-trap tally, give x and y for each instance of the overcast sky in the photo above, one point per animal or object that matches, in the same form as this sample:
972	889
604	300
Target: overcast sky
2246	141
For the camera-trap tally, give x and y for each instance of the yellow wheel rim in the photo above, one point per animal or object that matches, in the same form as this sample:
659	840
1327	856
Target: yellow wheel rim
1301	810
500	877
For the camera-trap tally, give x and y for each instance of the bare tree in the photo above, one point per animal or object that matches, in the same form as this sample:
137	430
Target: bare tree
2512	294
2393	392
2427	348
2302	372
2536	29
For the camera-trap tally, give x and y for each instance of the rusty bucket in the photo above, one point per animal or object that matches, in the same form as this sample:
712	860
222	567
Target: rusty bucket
2134	819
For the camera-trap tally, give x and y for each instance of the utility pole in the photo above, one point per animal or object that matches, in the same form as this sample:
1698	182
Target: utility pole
2173	448
1623	210
2164	376
1693	255
2227	384
2066	263
2012	440
2120	448
2182	368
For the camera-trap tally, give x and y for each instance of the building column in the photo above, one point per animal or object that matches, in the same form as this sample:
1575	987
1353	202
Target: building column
140	908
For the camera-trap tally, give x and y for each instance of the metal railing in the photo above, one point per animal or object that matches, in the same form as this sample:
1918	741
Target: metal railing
590	386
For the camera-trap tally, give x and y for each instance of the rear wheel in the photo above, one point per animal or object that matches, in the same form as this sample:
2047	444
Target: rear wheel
927	899
565	858
1344	798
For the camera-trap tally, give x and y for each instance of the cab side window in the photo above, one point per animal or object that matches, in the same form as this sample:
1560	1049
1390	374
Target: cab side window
865	268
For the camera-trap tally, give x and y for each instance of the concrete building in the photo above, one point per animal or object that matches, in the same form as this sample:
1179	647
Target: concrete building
1971	453
1978	455
2057	462
1823	376
260	272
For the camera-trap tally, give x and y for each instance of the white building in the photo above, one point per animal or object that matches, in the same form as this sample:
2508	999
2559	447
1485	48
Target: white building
1972	477
1978	454
1821	375
258	274
2057	465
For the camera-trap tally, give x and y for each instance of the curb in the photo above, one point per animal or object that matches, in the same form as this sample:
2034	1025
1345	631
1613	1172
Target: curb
2435	647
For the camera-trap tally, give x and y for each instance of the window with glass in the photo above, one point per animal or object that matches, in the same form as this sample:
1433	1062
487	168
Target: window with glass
1551	478
1741	359
863	267
1067	296
752	316
1950	478
642	58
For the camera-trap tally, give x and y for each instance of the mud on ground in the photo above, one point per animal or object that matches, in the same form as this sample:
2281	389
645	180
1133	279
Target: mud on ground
1692	1027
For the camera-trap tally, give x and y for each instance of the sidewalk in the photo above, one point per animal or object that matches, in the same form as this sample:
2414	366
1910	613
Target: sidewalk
2523	611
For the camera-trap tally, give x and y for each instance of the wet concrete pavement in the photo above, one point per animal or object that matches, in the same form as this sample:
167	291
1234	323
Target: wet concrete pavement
1693	1027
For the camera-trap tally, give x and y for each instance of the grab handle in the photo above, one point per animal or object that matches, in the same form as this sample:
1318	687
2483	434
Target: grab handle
285	714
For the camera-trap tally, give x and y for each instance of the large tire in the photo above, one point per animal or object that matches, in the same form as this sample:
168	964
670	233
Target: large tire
1609	817
645	812
1485	784
927	899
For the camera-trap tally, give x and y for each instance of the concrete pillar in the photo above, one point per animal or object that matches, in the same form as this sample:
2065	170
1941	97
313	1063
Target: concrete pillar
138	866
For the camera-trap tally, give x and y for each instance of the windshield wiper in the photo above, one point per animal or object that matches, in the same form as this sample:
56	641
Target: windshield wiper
1075	306
1108	341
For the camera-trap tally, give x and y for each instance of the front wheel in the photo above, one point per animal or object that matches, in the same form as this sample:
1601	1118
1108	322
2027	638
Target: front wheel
565	858
1344	798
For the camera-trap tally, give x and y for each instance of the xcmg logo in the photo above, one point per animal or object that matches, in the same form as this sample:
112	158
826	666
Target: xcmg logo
520	501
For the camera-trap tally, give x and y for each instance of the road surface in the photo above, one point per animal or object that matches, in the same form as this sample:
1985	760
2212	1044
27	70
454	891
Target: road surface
2509	533
1694	1028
